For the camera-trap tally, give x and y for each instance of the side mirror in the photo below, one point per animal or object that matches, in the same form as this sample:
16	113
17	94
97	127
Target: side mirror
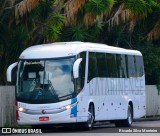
76	68
9	71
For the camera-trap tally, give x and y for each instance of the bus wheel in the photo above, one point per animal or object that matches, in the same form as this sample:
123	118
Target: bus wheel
89	124
127	122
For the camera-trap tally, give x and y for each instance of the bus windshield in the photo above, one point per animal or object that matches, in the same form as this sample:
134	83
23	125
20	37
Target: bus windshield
45	81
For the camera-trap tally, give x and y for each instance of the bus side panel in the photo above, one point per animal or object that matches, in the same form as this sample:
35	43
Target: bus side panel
111	98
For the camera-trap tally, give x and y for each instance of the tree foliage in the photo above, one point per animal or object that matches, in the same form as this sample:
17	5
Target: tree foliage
133	24
98	7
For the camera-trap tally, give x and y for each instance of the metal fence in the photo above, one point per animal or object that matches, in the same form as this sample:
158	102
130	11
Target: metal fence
7	104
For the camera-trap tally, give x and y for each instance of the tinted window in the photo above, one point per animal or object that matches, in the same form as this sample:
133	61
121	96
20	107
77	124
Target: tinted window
111	65
115	65
101	64
121	66
92	68
131	66
139	66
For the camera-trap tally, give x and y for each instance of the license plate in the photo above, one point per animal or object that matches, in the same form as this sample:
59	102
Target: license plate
43	118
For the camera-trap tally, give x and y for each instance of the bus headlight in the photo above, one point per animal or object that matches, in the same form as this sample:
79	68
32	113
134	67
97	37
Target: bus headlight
21	109
67	107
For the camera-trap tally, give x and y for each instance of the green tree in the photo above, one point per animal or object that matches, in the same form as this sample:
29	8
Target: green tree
24	23
133	24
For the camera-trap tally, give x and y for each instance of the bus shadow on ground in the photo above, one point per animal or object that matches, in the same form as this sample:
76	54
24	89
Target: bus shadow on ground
99	128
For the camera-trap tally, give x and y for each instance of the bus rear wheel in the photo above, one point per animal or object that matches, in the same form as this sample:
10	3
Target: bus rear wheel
127	122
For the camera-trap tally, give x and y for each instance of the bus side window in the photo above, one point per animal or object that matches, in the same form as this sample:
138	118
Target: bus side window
111	65
139	66
131	66
121	66
101	64
92	68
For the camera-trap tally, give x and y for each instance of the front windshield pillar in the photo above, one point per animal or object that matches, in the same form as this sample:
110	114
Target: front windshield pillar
82	72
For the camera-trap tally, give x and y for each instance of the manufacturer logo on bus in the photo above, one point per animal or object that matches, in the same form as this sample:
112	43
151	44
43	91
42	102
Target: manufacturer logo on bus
43	112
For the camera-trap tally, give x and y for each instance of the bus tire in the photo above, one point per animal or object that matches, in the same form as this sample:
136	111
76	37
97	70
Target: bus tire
127	122
89	124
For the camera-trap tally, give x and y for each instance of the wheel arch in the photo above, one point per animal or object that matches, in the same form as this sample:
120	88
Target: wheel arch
91	103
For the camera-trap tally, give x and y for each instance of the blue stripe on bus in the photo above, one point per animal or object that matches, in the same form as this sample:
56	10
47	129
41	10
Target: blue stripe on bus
74	109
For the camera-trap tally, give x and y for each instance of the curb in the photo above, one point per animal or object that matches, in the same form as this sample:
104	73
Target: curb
147	119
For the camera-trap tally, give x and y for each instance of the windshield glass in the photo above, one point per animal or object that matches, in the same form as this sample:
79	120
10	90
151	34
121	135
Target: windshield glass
45	81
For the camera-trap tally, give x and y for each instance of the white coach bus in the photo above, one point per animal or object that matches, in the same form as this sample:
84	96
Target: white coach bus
81	83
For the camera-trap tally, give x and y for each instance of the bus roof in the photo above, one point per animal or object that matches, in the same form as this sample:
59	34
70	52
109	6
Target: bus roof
66	49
